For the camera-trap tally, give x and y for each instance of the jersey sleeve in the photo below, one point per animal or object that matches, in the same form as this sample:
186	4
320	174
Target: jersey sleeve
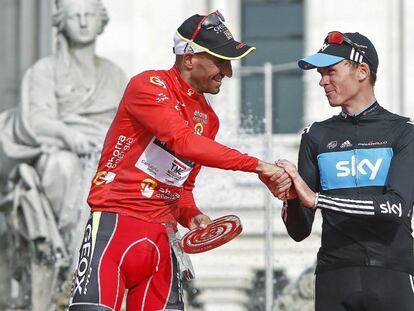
152	106
298	218
396	203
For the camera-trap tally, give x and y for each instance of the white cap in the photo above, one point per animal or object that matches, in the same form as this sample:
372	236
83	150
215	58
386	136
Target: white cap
182	46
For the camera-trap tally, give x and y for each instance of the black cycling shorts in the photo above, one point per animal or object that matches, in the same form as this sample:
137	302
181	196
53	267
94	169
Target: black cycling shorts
364	289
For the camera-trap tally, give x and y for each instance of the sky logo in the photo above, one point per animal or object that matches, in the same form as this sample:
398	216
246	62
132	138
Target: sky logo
364	167
354	168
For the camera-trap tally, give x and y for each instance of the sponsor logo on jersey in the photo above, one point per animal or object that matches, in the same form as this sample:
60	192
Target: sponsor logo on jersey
364	167
332	144
190	92
148	187
373	143
176	169
200	117
354	168
104	177
346	144
157	81
389	208
161	98
198	129
122	145
167	194
178	105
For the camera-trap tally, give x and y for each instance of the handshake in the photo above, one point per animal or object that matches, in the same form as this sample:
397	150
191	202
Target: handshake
285	183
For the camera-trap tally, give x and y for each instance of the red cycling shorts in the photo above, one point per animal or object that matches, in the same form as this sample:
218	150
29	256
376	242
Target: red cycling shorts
120	252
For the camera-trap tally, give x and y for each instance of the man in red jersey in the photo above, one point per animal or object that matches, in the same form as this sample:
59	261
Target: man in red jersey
163	132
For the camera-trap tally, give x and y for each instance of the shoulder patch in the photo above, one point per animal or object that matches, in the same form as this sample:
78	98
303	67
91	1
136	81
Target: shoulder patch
157	81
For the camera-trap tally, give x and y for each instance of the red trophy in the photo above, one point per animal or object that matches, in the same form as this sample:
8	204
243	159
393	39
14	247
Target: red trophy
217	233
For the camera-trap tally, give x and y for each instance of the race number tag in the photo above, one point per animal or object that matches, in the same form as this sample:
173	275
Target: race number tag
162	164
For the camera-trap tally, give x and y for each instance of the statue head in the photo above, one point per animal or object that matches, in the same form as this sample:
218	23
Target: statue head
80	21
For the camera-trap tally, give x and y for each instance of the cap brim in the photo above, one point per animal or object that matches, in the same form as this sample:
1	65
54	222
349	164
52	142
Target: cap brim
319	60
232	50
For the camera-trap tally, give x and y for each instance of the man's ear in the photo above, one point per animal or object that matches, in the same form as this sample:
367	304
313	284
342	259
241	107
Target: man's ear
188	60
363	71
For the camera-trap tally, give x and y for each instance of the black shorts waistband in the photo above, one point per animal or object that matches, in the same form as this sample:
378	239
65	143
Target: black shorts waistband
369	262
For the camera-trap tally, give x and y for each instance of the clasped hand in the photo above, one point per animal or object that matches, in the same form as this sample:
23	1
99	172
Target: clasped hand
285	183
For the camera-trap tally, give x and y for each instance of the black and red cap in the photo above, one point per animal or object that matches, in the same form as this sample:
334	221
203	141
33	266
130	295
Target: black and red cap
207	33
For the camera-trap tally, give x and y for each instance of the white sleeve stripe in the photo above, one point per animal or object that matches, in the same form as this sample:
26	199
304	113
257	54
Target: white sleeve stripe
307	129
345	210
346	200
356	206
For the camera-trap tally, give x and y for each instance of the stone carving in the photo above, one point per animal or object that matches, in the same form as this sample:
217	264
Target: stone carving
48	150
297	296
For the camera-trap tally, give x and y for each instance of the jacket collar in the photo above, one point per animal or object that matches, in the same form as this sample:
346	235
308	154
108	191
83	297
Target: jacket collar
184	86
368	111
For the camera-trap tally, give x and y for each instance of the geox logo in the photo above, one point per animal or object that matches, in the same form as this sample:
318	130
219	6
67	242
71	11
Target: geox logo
83	271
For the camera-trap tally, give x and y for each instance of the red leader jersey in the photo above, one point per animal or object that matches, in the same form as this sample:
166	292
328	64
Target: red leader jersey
161	135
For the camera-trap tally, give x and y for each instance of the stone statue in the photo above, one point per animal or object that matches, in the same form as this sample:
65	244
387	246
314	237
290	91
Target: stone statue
48	145
297	296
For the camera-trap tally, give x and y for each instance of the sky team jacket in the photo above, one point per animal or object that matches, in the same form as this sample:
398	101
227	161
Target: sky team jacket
363	167
161	135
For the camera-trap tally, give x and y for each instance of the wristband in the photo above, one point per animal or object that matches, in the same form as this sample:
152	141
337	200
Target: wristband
315	204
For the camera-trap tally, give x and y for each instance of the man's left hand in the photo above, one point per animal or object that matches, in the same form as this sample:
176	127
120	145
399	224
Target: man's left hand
301	189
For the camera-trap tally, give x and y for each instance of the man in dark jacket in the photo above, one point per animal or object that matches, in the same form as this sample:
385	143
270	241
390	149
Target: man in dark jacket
357	168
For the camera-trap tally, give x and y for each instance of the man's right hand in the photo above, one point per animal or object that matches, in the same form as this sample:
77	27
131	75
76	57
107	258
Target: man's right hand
275	178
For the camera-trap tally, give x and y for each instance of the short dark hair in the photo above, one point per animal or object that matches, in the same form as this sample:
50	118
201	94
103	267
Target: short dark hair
372	76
